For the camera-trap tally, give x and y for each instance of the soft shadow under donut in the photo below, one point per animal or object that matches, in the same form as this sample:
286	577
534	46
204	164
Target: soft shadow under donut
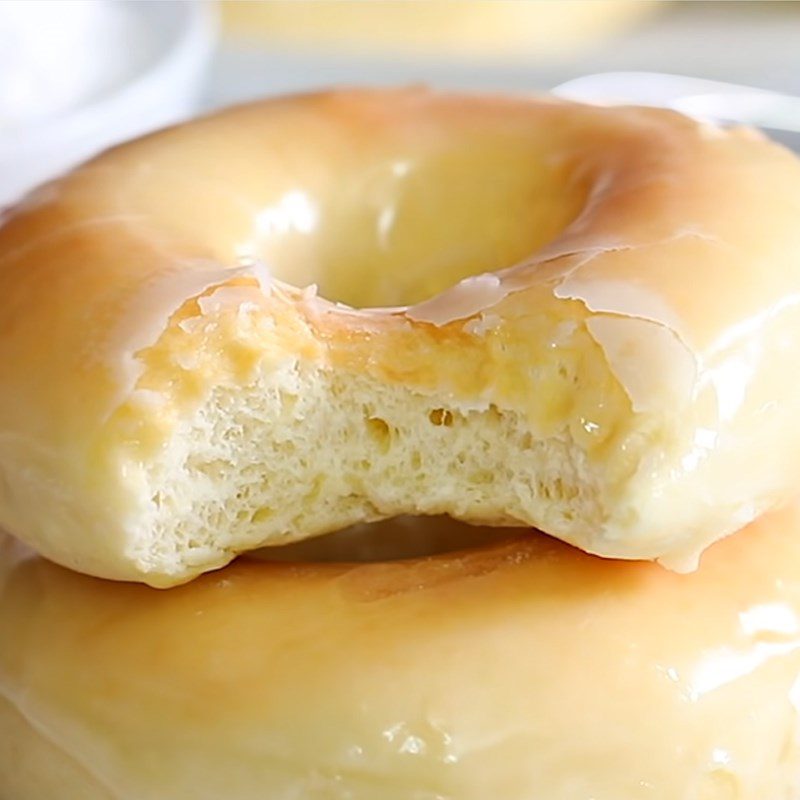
394	539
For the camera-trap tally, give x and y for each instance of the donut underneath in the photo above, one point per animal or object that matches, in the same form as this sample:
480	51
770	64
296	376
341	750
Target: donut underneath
521	669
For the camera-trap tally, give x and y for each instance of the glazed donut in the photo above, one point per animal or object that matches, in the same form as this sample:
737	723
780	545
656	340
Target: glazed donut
562	316
523	669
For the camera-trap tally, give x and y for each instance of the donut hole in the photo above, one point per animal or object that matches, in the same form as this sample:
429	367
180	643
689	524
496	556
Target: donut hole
412	226
395	539
374	208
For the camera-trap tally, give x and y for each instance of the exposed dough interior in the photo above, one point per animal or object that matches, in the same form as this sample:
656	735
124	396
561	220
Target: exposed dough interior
282	448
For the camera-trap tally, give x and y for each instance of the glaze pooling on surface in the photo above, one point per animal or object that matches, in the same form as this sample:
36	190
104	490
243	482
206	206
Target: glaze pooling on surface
616	284
520	669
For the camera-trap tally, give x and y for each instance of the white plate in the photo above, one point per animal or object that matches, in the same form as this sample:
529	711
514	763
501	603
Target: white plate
170	46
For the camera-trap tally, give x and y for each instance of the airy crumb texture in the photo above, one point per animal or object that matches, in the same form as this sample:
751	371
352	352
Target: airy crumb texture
304	450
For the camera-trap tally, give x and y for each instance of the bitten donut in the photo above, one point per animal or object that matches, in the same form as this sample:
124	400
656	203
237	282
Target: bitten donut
311	311
518	670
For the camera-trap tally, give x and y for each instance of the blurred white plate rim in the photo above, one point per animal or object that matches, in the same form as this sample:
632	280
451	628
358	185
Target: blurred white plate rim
159	88
194	41
696	97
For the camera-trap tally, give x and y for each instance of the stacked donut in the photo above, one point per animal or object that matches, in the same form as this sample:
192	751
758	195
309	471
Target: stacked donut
475	316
